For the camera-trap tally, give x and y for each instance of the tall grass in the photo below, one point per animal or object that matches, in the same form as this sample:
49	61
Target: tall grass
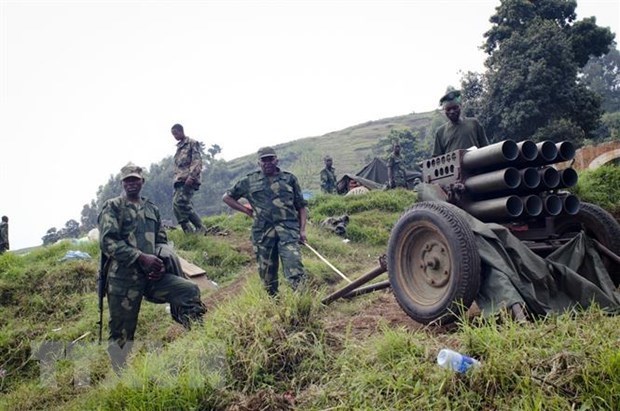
289	352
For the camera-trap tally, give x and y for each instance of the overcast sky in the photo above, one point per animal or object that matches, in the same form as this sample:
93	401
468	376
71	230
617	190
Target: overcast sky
87	86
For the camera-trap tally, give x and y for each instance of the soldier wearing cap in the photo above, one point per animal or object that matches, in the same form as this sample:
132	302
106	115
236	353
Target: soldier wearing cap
4	234
187	169
397	174
328	176
130	232
279	212
458	133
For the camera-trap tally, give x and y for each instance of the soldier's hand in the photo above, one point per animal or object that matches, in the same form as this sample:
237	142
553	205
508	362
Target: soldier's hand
247	210
302	237
151	263
156	276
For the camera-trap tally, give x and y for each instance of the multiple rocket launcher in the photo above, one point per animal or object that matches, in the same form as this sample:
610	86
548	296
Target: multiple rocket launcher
507	181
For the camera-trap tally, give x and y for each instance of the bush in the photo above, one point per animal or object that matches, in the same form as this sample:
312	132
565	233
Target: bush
601	187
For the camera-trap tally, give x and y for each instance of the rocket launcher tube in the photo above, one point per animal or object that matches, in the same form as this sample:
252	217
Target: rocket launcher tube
499	180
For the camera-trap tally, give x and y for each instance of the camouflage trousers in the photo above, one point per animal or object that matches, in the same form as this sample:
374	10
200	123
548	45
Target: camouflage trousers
182	205
125	297
269	251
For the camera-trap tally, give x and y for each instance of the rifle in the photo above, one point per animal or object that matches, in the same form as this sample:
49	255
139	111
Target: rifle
102	286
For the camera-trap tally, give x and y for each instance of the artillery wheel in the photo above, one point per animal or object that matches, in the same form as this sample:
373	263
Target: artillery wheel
598	224
433	263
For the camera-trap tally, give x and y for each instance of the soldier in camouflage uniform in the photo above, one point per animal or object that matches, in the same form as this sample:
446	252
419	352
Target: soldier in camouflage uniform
187	169
130	230
328	177
4	234
279	212
397	175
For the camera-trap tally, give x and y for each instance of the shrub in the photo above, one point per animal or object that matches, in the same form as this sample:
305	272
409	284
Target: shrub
600	186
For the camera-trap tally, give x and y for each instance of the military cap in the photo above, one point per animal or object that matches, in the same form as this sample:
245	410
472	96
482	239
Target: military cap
131	170
452	96
327	157
266	152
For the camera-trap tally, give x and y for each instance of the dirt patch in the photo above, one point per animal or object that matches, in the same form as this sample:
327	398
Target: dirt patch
381	310
234	288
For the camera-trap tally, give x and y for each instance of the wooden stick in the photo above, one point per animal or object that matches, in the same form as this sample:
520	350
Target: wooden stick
327	262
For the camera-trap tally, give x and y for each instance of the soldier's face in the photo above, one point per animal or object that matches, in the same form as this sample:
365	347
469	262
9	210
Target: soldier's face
132	186
453	111
328	163
268	165
178	134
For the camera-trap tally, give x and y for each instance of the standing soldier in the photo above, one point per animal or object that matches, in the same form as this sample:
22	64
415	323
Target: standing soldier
130	227
4	234
279	212
328	177
187	169
458	133
397	175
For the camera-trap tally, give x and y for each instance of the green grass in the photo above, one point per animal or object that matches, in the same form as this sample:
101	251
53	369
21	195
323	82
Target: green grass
600	186
292	352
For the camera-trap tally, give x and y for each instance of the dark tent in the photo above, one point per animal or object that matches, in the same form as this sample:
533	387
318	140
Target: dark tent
374	175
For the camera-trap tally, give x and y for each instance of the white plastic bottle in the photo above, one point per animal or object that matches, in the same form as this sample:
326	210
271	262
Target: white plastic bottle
455	361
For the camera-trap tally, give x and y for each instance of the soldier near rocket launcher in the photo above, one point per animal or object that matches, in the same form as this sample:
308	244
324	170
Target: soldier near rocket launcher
458	133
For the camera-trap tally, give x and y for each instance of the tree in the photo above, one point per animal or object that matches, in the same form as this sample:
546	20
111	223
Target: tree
70	230
50	237
88	218
536	50
214	150
602	75
413	149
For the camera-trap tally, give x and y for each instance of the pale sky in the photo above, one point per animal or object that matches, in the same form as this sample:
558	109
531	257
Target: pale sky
86	86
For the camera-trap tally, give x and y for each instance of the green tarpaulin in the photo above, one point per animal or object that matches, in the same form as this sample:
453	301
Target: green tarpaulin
572	276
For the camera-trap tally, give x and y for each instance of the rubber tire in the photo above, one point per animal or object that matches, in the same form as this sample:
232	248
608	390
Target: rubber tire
598	224
439	226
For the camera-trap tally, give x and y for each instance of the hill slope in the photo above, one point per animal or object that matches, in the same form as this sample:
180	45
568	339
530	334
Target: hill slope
291	353
351	147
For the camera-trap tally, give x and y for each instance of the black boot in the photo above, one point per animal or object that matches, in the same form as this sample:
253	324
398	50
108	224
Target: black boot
187	228
197	222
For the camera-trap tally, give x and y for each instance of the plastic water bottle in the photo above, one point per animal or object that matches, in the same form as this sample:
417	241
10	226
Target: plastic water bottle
455	361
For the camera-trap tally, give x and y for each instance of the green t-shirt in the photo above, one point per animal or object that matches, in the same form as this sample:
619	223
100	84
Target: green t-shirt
466	133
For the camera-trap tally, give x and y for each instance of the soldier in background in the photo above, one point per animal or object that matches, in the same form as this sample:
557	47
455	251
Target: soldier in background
4	234
130	231
187	170
279	212
328	177
397	175
458	133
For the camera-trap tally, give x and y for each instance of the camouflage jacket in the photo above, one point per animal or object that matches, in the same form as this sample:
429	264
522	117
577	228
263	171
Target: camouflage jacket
328	180
275	201
127	230
4	235
187	160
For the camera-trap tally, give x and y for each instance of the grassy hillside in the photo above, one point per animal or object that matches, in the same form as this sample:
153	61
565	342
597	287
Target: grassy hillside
351	148
293	352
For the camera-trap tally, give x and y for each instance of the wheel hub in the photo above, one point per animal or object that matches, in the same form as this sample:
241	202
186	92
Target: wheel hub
435	264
